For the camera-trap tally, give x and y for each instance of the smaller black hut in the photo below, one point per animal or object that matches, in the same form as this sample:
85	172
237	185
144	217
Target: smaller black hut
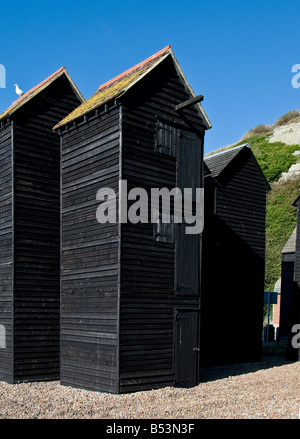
233	260
287	282
293	348
30	229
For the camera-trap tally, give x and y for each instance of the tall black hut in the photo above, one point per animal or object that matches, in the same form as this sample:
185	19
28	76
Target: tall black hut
130	305
233	260
30	229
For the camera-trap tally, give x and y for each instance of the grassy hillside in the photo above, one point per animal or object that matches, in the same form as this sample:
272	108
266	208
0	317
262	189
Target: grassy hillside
275	158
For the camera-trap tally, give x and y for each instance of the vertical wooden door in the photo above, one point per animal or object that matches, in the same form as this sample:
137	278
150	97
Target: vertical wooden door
187	272
189	175
186	348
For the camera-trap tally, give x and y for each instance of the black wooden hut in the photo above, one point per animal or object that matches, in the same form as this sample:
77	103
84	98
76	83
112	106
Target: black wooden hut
293	348
287	282
233	258
30	229
130	304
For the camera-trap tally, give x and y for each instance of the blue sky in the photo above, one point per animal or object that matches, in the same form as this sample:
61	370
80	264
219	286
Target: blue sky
238	54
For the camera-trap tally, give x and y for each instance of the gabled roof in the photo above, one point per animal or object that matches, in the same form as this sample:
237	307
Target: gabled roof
218	164
295	203
290	245
117	86
37	89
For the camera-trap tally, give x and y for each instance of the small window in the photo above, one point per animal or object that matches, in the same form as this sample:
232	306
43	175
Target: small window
165	139
164	231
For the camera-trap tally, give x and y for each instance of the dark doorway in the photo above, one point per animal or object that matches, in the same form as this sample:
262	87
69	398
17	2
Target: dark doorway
186	348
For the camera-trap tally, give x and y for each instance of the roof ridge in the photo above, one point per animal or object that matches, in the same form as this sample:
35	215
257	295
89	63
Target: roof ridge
119	85
235	148
136	67
38	85
37	89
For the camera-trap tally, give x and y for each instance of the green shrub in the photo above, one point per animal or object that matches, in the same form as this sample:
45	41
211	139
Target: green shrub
273	158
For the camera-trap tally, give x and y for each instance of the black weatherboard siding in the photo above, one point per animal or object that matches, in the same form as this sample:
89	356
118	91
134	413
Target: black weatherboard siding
30	229
128	305
233	258
89	284
293	348
121	307
154	277
6	240
287	284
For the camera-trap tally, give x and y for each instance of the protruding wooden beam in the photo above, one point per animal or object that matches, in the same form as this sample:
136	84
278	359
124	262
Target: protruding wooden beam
189	102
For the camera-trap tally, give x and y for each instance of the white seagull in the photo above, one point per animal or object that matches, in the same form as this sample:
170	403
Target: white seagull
18	90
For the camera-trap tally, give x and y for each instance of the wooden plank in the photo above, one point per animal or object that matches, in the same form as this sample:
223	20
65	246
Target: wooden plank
189	102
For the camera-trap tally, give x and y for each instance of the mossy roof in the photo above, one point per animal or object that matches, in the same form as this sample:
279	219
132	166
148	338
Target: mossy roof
37	89
117	86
